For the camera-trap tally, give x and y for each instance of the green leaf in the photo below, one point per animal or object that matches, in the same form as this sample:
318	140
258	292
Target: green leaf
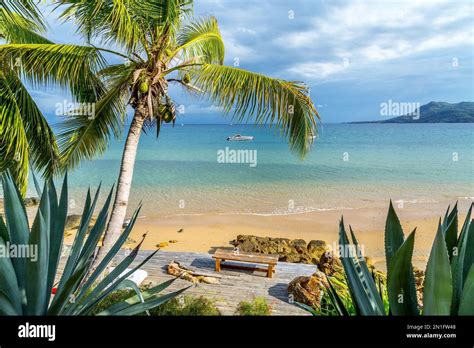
466	306
67	66
95	233
468	249
112	280
57	230
462	259
79	237
450	230
149	304
306	308
37	185
36	284
17	225
362	266
3	230
9	289
437	288
65	293
393	234
361	286
112	252
201	40
135	299
400	284
127	283
336	299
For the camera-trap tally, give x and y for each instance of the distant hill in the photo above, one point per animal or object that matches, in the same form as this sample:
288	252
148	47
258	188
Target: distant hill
437	112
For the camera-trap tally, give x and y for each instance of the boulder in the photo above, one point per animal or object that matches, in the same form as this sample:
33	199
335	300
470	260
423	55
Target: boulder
316	248
308	290
299	245
296	251
330	264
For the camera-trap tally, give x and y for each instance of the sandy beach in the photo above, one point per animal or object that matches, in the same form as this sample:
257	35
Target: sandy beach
203	233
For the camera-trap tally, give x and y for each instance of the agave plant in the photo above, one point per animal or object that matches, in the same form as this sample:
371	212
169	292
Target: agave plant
448	288
159	45
26	282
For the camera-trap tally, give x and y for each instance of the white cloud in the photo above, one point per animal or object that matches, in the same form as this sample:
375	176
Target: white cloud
317	70
234	49
370	32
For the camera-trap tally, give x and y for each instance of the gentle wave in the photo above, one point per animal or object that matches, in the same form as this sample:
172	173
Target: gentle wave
296	211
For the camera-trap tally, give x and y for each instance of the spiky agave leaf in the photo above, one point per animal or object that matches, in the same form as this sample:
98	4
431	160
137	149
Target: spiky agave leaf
402	279
463	259
437	287
25	285
449	227
360	282
466	306
393	234
400	285
336	299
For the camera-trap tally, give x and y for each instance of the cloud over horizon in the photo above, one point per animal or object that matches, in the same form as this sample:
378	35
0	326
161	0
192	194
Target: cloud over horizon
353	54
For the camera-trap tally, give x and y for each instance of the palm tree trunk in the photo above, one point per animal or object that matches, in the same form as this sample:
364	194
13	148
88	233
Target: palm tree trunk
114	227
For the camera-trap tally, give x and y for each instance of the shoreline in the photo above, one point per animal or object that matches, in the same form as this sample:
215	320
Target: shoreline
206	232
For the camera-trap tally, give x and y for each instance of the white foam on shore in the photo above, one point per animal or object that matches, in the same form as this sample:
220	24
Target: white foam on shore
416	201
295	211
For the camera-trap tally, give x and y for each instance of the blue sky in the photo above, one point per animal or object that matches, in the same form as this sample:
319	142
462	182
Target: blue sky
354	55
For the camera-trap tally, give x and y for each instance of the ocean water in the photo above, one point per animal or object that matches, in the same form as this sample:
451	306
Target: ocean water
349	166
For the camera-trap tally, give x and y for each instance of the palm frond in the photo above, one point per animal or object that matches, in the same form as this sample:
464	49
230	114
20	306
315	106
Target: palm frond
82	136
172	12
261	99
43	150
201	39
68	66
122	22
24	8
13	138
15	28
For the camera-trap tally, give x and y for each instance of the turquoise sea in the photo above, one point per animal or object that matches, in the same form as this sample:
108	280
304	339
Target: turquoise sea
350	166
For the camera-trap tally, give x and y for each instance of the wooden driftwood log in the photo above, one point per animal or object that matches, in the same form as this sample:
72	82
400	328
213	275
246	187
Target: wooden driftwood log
175	268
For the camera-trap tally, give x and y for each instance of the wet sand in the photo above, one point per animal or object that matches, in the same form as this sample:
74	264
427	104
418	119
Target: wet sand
204	233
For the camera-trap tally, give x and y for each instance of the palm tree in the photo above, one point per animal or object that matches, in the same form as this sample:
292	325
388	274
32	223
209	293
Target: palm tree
25	136
160	44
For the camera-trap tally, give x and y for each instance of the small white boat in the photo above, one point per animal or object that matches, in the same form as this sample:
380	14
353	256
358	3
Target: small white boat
239	137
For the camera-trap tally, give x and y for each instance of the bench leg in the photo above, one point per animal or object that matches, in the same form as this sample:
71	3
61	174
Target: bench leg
270	272
218	265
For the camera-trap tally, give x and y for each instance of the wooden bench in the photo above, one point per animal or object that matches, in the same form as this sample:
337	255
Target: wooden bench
222	255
